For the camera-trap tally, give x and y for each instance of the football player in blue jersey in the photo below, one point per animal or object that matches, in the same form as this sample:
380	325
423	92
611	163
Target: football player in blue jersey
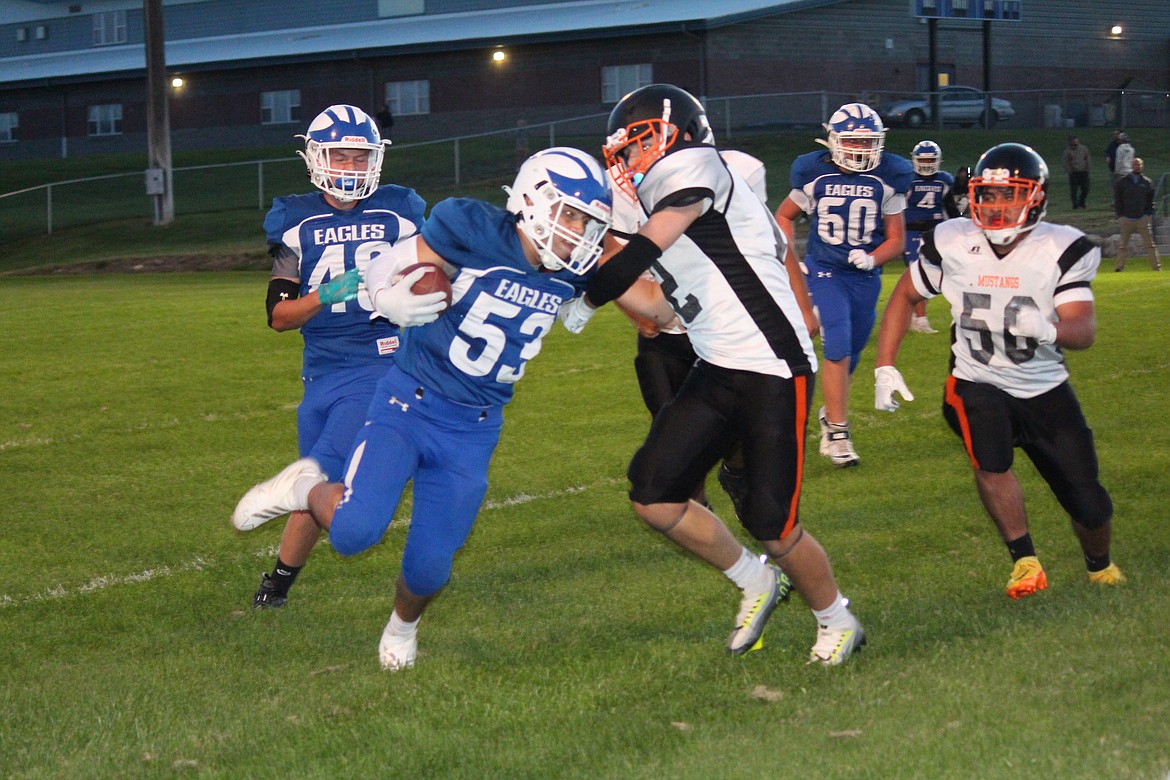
718	257
854	195
436	415
931	200
321	243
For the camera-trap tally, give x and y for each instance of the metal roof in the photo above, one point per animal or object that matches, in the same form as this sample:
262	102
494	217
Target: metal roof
500	26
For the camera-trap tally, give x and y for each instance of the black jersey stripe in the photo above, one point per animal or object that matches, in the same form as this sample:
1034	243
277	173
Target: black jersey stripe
712	234
1076	250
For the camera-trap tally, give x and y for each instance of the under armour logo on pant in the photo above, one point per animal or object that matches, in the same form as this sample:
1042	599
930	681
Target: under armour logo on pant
394	400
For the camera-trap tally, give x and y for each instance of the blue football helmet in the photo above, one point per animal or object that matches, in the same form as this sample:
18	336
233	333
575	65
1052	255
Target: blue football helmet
343	127
856	137
927	158
549	182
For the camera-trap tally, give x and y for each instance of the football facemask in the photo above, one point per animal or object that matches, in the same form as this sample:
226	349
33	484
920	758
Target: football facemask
856	137
652	120
927	158
334	138
561	193
1008	192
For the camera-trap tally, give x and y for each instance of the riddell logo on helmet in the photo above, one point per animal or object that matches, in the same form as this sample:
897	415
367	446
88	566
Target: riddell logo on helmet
353	138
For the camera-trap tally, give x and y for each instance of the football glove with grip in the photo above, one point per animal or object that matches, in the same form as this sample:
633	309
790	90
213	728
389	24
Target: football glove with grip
1030	323
862	259
402	307
575	314
340	289
887	381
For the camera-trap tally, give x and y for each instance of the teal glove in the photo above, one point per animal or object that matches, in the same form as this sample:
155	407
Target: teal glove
340	288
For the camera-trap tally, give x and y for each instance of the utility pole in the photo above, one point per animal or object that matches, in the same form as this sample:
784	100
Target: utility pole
158	116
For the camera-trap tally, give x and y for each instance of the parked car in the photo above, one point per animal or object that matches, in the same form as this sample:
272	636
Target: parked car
958	105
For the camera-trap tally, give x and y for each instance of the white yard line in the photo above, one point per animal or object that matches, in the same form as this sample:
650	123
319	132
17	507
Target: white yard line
200	562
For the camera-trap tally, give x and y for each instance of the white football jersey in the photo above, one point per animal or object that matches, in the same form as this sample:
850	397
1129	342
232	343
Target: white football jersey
628	215
725	277
1051	266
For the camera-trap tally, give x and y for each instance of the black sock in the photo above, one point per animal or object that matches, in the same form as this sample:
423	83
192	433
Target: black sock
283	576
1021	548
1097	562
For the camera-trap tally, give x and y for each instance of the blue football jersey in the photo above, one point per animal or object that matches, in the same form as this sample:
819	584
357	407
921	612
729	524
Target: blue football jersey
847	210
327	243
476	351
926	202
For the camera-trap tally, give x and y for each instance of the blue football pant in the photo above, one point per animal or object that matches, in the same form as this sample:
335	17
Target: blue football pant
415	434
847	303
332	412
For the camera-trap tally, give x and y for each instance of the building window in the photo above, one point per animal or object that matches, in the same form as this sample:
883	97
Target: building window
280	107
619	80
42	32
21	34
105	119
8	125
408	97
109	27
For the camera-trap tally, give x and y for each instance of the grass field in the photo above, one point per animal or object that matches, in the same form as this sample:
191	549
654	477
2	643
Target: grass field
572	642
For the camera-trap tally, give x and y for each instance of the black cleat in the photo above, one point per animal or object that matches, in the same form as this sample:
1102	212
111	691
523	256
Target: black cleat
735	485
267	597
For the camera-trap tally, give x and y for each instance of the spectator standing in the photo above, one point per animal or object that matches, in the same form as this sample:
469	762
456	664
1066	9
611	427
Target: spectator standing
385	121
1076	163
1133	201
1111	152
1122	159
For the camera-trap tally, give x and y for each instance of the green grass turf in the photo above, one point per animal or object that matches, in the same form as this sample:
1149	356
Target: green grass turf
571	642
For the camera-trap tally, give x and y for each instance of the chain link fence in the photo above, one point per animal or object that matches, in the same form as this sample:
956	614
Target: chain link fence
494	155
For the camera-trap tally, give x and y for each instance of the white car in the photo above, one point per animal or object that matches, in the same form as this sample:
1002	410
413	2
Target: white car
958	105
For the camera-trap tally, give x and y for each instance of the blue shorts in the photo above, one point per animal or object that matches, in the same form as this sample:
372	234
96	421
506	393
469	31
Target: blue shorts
413	433
332	412
847	302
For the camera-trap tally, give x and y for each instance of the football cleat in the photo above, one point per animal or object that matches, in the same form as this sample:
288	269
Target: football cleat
754	610
267	596
395	651
735	484
274	497
1027	577
1110	575
834	646
837	443
921	325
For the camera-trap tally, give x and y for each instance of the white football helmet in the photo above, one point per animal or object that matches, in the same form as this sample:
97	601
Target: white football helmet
546	184
343	127
927	158
856	137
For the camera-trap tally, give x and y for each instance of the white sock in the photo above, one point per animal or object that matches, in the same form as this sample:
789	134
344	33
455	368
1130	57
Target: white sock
836	615
303	485
400	627
748	571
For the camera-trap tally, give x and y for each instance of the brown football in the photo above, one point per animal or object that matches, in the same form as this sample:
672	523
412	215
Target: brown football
434	280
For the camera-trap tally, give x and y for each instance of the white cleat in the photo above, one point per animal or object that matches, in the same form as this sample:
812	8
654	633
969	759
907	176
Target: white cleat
274	497
754	610
395	651
834	646
837	443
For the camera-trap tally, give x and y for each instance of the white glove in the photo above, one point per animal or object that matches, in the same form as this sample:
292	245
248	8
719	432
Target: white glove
887	381
575	314
862	259
1030	323
402	307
